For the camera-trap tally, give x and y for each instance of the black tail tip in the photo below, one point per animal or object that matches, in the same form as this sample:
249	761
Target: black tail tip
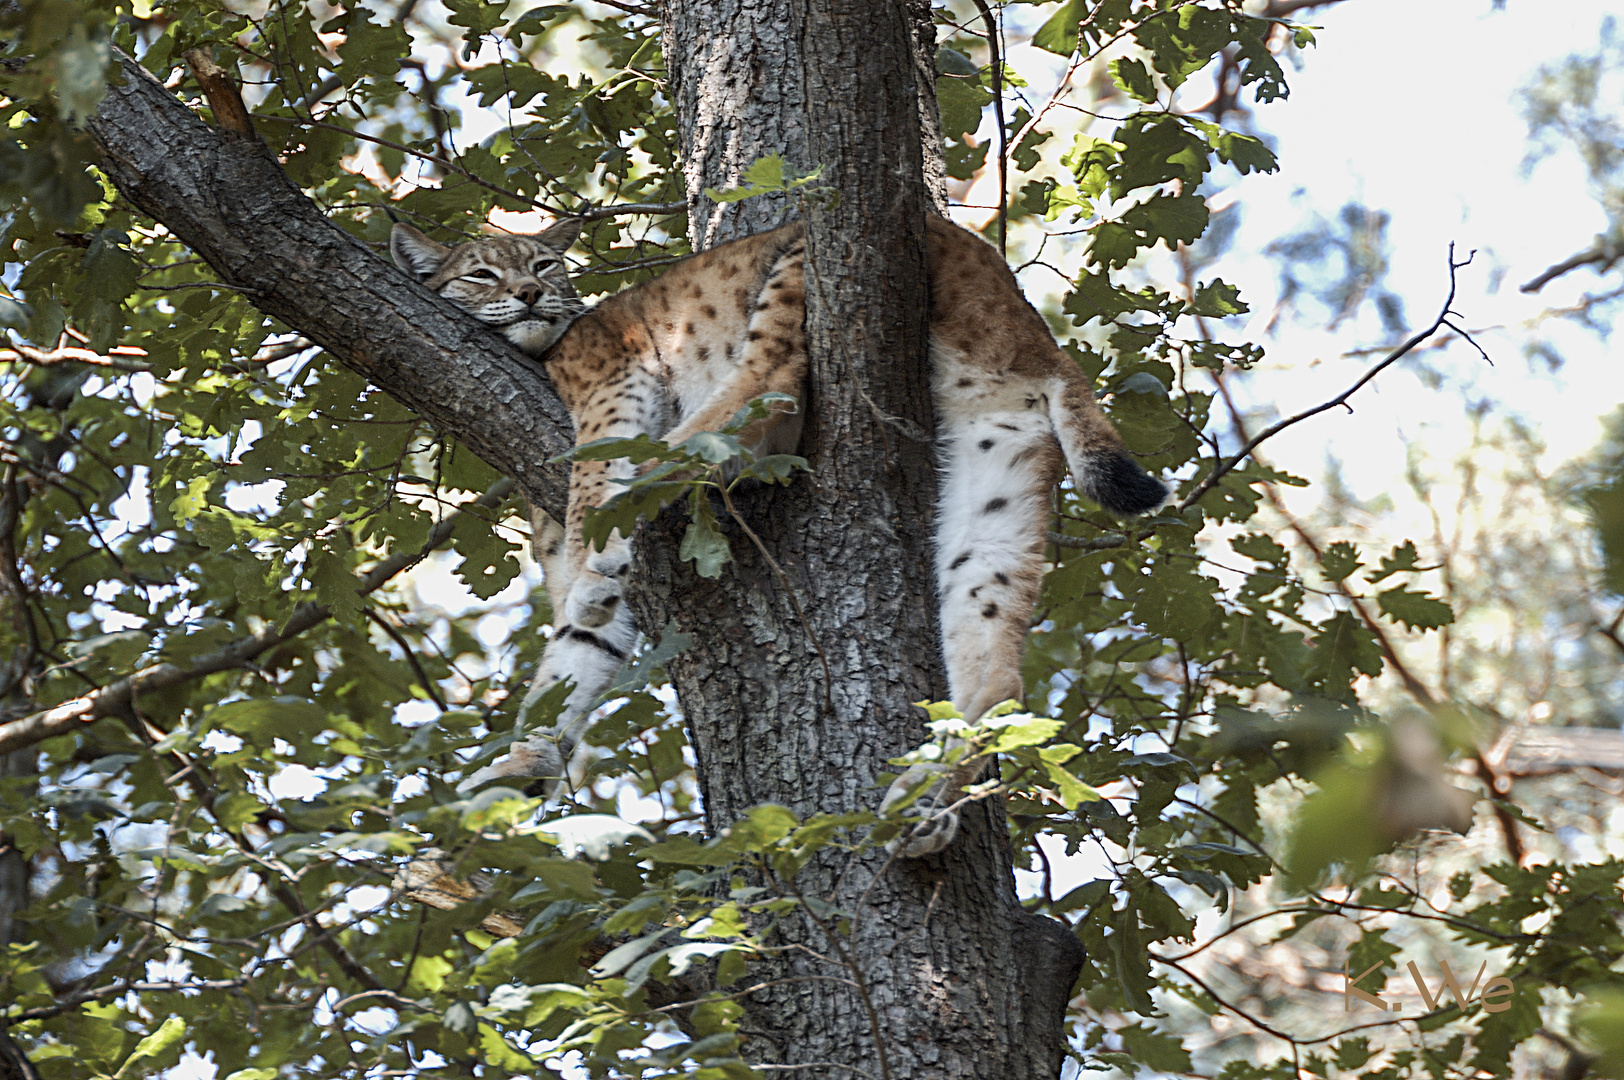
1118	483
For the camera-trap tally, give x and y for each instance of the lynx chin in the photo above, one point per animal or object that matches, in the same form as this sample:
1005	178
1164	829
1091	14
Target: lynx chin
684	352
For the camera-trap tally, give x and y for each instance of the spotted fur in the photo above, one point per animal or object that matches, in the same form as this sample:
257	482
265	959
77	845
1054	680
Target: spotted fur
684	352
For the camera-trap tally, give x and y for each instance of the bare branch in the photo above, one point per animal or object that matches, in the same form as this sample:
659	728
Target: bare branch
1093	543
655	209
68	354
1602	251
73	1001
1441	322
411	658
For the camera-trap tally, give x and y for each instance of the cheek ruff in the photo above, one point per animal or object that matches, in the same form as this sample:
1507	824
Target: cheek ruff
533	335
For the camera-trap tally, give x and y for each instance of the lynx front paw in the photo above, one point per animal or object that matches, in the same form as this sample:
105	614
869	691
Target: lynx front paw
928	826
596	594
535	759
592	601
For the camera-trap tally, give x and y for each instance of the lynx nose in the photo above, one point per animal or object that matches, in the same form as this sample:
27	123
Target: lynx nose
528	293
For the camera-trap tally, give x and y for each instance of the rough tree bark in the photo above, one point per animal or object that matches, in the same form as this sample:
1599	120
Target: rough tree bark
956	979
736	102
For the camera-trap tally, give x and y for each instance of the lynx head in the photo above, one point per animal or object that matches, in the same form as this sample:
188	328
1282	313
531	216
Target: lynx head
517	284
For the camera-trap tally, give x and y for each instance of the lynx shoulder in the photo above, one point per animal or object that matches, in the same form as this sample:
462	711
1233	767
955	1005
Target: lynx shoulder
684	352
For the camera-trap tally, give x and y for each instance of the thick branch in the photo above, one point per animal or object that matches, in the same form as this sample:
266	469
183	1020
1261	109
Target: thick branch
226	196
115	698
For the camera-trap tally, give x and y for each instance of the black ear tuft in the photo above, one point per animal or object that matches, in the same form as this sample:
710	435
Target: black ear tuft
561	236
1116	481
415	253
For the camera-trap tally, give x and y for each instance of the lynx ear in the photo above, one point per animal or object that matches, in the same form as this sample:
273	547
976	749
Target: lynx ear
415	253
562	234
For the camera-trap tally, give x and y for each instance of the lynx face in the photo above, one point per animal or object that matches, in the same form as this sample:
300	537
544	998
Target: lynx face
517	284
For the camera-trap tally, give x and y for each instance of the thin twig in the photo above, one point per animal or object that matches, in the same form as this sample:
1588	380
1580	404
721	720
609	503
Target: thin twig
1441	322
411	657
57	1008
851	965
993	36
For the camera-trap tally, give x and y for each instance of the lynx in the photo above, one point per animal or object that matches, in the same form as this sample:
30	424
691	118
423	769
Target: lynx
683	353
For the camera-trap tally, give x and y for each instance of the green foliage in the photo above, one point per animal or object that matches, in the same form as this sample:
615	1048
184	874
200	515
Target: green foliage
1604	499
767	176
704	462
196	473
1603	1023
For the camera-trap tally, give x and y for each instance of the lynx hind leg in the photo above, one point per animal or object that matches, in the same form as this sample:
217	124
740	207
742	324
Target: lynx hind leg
1100	465
997	472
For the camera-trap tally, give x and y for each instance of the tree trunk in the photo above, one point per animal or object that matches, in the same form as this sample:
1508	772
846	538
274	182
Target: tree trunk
736	102
952	977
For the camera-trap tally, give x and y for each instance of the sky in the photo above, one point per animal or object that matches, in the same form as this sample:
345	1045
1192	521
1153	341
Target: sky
1419	116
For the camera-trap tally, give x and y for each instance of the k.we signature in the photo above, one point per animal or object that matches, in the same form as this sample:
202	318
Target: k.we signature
1496	996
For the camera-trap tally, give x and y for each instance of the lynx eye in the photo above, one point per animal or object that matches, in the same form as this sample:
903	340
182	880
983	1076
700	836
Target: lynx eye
543	264
482	275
